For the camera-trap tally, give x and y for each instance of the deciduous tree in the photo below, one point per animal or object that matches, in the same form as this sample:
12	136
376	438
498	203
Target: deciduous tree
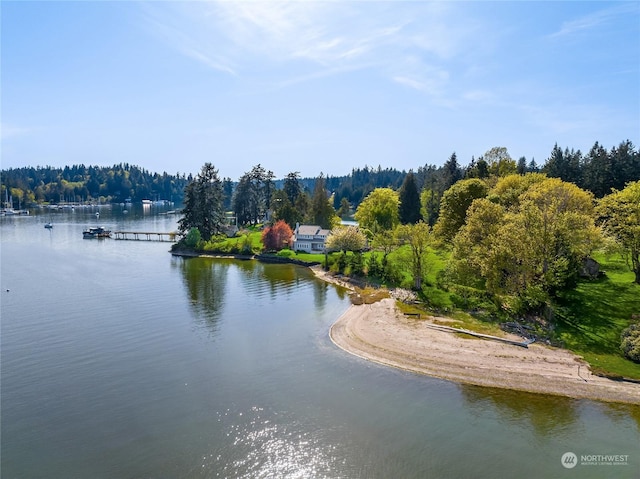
619	214
379	210
532	246
429	205
346	238
418	238
276	237
454	204
345	208
499	161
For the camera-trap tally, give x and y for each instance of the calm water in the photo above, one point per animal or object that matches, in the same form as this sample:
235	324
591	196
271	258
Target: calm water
121	361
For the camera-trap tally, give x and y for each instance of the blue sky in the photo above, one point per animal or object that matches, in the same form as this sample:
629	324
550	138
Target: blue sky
313	86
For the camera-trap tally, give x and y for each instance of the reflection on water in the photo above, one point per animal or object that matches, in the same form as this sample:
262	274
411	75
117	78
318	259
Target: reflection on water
544	414
204	281
622	413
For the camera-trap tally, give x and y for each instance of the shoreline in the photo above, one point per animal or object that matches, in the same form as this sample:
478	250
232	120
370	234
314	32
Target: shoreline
379	333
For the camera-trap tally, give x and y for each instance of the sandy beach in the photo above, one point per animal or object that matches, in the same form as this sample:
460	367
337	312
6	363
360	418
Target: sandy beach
379	332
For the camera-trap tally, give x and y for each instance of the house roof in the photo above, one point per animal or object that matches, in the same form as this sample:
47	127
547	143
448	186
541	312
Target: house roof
311	230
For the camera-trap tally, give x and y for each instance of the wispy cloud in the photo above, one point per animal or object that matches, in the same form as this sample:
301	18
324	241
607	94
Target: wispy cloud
594	20
432	82
302	41
10	131
182	32
479	96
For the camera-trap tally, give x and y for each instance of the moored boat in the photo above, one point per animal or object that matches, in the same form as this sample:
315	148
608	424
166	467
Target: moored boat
97	232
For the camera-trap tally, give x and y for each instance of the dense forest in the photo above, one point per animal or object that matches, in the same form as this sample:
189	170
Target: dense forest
88	184
598	171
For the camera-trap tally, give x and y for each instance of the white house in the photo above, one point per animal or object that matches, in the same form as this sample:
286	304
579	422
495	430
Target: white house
309	238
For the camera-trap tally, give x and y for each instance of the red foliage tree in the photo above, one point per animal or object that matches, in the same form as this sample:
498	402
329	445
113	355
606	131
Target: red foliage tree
276	237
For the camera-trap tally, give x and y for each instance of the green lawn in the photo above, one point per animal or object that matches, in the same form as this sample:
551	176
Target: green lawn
592	316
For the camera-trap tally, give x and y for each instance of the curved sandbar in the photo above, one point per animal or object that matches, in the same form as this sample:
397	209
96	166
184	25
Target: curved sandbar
379	333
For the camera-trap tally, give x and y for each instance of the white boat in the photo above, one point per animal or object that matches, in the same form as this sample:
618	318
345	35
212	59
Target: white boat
97	232
147	202
12	212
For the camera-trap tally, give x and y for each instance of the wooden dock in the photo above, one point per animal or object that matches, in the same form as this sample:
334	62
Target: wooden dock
146	236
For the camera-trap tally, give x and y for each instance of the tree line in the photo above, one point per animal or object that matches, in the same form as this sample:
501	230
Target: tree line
597	171
89	184
511	231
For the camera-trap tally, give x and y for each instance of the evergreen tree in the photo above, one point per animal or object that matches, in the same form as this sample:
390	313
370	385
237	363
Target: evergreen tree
242	200
409	209
565	165
203	208
521	167
625	161
322	211
292	186
451	172
252	197
598	174
227	189
477	169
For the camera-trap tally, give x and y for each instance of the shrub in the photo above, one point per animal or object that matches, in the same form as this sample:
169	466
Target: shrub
246	246
356	263
630	342
374	268
193	238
